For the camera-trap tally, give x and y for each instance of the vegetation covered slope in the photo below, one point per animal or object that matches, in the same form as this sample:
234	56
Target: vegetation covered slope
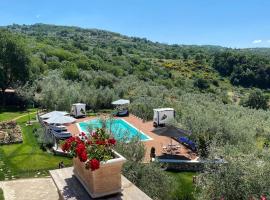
73	50
70	64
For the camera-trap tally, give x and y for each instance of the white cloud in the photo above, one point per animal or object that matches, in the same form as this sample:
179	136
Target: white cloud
268	41
37	16
257	41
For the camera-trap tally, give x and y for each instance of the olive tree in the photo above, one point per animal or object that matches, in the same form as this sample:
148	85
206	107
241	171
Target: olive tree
150	178
241	176
54	92
257	100
210	120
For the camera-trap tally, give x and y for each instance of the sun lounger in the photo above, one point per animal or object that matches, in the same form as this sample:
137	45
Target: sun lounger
58	128
122	113
61	134
187	142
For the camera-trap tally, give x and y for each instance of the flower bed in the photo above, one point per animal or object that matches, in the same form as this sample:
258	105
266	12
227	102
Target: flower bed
10	133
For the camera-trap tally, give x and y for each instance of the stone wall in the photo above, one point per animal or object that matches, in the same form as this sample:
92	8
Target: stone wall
181	165
194	167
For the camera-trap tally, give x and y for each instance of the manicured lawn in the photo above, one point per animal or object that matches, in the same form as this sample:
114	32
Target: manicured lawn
184	185
1	194
27	159
9	113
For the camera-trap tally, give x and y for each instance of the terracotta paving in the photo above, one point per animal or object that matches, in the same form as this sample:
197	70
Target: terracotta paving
157	141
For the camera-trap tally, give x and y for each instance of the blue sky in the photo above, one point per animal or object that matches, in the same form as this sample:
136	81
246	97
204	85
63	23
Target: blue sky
231	23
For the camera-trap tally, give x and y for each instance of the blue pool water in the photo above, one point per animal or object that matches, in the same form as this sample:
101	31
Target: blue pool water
119	128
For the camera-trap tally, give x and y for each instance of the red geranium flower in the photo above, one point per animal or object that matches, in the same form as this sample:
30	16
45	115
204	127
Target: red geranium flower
89	142
83	156
94	164
66	146
112	141
95	148
100	142
70	140
80	148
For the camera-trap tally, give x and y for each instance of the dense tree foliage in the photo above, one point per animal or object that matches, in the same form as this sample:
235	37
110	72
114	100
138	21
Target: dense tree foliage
244	68
257	100
14	61
148	177
243	176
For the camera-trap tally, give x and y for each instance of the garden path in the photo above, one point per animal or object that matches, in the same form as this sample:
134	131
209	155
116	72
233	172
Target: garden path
16	118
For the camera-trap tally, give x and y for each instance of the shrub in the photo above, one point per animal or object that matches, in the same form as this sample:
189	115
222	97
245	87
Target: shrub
215	83
133	150
150	178
201	83
256	100
244	175
43	139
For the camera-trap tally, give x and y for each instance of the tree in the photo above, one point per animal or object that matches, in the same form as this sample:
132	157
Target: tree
119	51
14	61
201	83
257	100
242	176
150	178
185	55
70	70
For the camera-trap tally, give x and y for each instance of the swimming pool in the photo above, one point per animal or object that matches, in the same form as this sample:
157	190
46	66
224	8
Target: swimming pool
120	129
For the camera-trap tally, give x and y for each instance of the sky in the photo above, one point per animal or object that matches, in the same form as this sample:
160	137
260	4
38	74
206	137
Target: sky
230	23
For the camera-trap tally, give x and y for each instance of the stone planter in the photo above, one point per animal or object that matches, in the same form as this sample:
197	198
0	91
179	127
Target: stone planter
104	181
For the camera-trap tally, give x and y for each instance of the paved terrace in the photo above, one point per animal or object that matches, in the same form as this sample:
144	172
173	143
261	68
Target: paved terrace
146	127
62	186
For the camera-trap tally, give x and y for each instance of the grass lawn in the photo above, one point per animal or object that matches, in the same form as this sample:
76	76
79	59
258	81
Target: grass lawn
1	194
27	159
9	113
184	187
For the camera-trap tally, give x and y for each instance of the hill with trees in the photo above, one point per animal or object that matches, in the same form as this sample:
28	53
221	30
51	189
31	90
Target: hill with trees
210	87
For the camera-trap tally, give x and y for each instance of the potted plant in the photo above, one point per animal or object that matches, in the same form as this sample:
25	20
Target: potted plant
96	165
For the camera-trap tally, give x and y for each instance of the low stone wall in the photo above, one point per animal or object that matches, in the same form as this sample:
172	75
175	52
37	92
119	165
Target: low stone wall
69	187
194	167
188	165
182	165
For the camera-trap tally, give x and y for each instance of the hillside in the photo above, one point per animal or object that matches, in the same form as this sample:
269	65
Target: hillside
109	51
206	85
73	49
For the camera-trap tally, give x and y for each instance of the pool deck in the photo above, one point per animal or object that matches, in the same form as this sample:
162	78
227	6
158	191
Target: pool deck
157	141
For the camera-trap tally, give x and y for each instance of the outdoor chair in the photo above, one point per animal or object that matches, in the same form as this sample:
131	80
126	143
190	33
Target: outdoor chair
164	148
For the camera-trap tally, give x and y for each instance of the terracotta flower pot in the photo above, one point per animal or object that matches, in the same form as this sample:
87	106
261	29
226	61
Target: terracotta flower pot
101	182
